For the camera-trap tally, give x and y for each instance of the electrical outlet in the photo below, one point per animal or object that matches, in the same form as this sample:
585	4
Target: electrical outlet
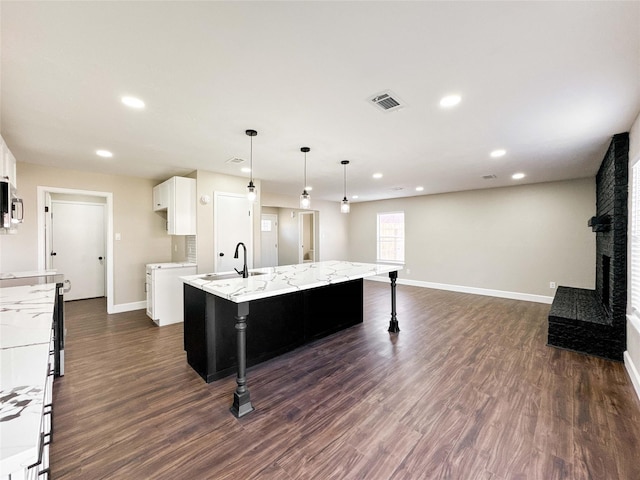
552	284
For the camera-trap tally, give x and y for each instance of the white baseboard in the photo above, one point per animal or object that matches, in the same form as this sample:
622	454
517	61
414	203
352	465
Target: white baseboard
527	297
633	372
127	307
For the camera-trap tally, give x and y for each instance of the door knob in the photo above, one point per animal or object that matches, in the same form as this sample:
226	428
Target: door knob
99	258
53	254
221	254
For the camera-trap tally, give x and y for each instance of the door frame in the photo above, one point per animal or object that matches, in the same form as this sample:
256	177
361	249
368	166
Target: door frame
40	204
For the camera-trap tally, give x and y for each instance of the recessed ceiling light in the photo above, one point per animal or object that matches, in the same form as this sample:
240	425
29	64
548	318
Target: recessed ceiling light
354	196
245	170
309	188
450	101
498	153
104	153
133	102
377	175
518	176
419	189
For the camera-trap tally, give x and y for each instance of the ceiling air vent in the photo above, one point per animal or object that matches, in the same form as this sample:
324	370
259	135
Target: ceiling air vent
386	101
491	176
235	161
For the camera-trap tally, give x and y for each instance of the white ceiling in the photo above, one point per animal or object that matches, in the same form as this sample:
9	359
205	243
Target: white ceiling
550	82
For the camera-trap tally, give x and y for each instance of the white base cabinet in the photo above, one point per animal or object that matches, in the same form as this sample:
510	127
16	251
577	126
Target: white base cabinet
164	291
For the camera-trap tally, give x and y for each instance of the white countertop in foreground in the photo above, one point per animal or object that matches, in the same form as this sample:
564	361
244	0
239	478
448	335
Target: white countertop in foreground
287	279
26	316
31	273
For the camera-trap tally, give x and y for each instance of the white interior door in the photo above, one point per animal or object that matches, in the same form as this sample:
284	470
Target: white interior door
232	223
78	247
269	240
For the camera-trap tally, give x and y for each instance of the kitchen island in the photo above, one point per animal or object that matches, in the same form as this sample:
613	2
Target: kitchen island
282	308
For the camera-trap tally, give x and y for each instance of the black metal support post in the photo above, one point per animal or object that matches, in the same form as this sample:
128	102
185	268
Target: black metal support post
241	399
393	324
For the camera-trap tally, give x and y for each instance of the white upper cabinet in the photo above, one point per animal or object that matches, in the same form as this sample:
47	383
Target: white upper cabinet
7	164
161	196
178	197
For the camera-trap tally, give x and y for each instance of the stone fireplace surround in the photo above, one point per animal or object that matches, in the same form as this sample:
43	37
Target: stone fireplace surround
593	321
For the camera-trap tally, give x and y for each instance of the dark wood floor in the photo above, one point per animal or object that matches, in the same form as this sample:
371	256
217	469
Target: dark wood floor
467	390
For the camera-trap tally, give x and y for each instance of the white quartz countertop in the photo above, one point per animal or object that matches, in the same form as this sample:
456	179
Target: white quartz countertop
26	316
286	279
30	273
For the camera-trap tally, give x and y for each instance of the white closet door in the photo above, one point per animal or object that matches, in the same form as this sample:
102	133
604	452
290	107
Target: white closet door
78	247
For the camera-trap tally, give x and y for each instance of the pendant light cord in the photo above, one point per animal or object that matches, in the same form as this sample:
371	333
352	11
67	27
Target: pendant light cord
251	158
304	187
345	180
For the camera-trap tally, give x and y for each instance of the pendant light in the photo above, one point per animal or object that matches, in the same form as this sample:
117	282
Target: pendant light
344	205
251	188
305	198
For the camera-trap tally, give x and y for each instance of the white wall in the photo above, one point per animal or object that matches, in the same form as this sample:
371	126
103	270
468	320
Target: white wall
632	355
494	241
206	184
143	237
332	226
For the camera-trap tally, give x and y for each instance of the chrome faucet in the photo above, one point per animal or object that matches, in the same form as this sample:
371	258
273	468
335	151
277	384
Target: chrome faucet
244	272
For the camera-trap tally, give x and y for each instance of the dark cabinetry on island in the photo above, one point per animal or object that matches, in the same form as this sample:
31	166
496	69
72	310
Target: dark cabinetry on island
275	324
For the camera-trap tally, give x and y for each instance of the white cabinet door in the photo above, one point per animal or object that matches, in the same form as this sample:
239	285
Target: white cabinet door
181	214
148	287
161	196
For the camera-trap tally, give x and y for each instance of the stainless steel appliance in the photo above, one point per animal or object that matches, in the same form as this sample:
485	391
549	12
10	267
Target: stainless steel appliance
11	213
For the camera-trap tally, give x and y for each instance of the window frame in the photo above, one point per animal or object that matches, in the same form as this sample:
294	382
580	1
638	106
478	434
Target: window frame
402	237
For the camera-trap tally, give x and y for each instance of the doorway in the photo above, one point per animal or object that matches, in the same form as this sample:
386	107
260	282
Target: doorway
45	231
307	237
269	240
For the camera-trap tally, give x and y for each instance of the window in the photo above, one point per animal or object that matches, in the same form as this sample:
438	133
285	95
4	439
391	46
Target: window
635	240
391	237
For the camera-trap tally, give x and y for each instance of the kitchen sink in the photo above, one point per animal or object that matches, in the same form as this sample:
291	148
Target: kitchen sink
227	276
